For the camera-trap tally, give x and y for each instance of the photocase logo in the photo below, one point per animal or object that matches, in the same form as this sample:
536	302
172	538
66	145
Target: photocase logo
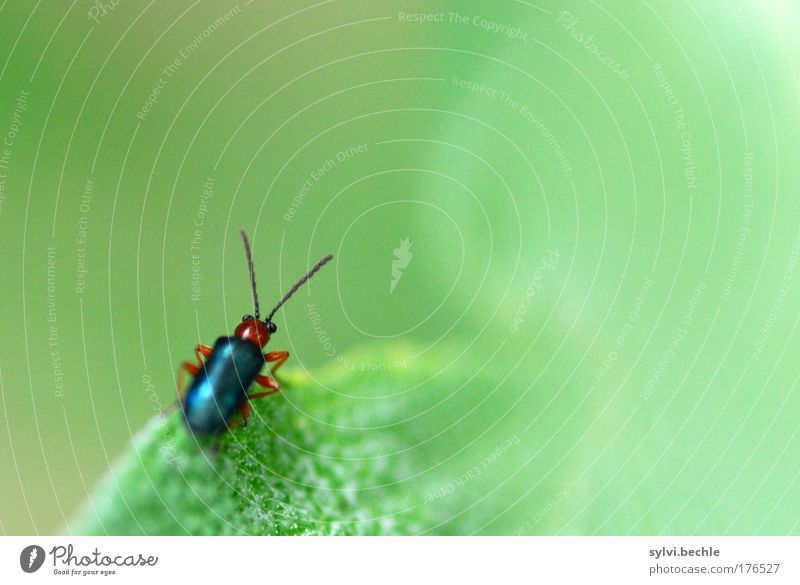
402	257
31	558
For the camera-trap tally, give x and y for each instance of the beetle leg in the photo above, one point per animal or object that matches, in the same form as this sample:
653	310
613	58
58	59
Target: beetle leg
185	367
266	382
192	369
245	411
279	357
204	350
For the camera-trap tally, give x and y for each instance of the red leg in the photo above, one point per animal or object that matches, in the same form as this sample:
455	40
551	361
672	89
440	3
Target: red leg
279	357
265	382
204	350
245	410
185	367
191	368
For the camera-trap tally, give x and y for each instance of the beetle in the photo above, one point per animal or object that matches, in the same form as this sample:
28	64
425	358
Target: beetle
220	386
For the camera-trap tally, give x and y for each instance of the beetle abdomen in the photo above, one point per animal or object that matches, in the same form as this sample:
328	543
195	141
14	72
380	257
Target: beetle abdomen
220	387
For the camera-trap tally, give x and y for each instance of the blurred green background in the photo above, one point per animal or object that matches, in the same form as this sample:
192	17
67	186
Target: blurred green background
601	205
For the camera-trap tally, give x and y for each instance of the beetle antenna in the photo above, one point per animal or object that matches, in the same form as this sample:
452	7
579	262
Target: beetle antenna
249	255
300	283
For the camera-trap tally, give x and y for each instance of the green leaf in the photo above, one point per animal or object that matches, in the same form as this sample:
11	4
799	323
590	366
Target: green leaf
406	440
308	462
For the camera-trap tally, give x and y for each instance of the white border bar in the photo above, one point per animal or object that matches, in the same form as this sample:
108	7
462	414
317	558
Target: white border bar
411	559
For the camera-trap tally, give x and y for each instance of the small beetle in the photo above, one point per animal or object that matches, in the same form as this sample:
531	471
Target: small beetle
220	385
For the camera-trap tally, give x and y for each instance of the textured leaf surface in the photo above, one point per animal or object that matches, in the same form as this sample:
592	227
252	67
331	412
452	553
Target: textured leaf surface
299	467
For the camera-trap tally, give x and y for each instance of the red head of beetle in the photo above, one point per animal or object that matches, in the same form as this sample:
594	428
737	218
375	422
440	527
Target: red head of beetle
255	330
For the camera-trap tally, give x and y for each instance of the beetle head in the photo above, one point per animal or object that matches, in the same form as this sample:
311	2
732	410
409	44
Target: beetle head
255	330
